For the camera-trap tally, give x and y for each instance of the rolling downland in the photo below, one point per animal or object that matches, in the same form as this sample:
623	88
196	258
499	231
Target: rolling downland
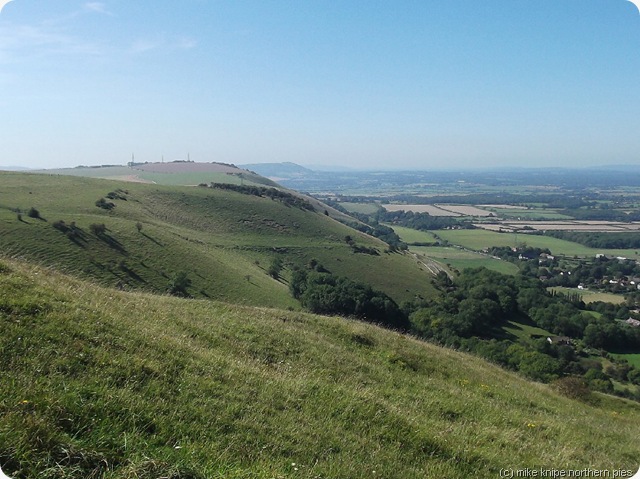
224	240
102	383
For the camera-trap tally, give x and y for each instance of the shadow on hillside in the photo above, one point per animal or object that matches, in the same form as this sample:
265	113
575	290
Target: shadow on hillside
133	275
77	236
151	239
112	243
502	334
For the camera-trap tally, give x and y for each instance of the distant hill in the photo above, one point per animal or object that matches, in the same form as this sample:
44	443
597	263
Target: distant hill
168	173
13	168
224	240
278	171
99	383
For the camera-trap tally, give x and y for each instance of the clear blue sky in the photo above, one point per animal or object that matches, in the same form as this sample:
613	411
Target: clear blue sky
393	84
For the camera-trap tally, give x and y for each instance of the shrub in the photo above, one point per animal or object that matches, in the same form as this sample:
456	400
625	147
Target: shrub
573	388
275	268
104	204
60	225
178	284
98	228
33	213
634	376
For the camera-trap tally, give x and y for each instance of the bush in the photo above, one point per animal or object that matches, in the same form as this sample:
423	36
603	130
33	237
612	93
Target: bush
178	284
98	228
275	268
573	388
33	213
60	225
104	204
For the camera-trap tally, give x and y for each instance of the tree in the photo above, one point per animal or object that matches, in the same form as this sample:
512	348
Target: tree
275	268
178	284
139	226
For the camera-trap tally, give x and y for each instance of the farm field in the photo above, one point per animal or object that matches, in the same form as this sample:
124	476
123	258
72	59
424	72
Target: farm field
410	236
604	226
465	210
431	209
538	214
364	208
450	257
479	239
460	259
591	296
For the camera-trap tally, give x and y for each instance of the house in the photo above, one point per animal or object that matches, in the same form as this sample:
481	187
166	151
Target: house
560	340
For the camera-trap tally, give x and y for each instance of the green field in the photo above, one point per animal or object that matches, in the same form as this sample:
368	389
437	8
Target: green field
411	236
524	331
634	359
528	214
478	239
591	296
459	259
450	257
105	384
364	208
224	240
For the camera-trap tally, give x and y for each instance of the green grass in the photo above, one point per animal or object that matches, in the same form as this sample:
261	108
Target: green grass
224	240
411	236
449	257
364	208
529	214
524	331
99	383
634	359
174	179
478	239
591	296
461	259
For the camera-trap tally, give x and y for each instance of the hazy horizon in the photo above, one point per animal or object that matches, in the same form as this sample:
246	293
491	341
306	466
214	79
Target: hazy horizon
409	85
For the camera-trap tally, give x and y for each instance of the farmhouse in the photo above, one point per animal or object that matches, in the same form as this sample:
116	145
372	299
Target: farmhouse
560	340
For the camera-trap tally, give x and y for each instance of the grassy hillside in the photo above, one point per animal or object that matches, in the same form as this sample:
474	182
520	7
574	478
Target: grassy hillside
168	174
224	240
99	383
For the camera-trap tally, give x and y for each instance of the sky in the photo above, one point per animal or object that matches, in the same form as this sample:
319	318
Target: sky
410	84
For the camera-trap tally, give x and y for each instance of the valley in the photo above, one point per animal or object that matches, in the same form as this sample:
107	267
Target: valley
147	325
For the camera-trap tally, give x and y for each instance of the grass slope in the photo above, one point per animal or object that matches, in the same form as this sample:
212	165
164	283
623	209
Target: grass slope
176	177
224	240
98	383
